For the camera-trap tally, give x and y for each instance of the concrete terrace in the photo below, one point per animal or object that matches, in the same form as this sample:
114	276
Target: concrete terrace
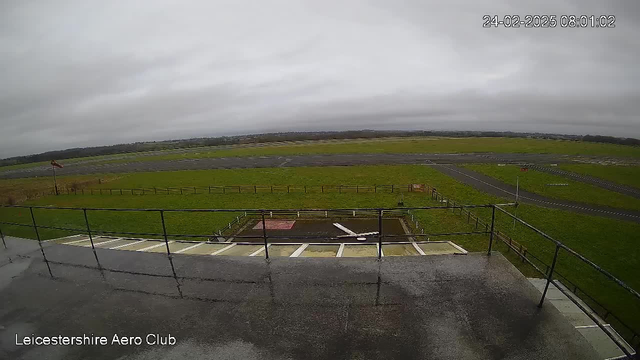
227	307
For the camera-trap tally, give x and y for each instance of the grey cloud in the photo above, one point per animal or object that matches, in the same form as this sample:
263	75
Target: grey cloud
82	73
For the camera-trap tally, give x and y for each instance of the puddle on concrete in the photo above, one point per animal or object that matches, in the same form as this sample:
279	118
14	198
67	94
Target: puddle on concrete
320	251
399	250
360	251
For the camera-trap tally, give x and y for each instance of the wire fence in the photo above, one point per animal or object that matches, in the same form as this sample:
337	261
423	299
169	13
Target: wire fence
246	189
547	270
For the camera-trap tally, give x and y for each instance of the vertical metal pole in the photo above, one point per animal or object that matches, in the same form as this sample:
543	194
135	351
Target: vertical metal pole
55	182
86	221
209	189
166	243
3	242
379	234
255	189
264	235
35	227
550	277
493	220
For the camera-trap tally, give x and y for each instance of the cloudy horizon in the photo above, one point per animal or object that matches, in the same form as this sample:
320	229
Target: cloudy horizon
82	73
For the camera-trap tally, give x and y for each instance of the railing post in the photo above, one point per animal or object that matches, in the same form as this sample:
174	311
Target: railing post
264	235
550	277
379	234
3	242
86	221
35	227
493	220
166	243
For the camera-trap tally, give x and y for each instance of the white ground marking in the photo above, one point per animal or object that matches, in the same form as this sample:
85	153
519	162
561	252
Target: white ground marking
121	246
340	250
258	251
189	248
418	249
339	226
223	249
76	241
104	242
66	237
154	246
458	247
299	250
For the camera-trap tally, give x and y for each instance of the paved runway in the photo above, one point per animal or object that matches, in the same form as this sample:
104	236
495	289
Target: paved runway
293	161
498	188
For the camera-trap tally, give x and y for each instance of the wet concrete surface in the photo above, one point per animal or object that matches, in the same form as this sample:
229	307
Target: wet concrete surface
439	307
293	161
496	187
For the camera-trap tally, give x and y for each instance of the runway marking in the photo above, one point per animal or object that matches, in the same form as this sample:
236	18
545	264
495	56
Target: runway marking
121	246
259	251
105	242
75	241
340	250
189	248
224	249
154	246
299	250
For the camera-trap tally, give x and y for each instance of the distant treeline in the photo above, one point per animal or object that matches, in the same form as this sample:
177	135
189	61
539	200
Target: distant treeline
289	136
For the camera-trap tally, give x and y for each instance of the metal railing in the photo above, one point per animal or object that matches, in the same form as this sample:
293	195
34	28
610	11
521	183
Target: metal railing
378	213
247	189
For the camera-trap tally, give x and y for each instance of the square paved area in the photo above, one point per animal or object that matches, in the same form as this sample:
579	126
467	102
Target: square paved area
227	307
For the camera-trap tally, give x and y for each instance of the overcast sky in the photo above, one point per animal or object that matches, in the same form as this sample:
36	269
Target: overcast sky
87	73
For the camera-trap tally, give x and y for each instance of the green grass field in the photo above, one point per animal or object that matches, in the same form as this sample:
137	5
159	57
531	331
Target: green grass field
605	241
377	146
625	175
536	182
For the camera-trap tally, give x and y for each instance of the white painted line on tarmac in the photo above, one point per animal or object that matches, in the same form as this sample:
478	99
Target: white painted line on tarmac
75	242
121	246
418	249
104	242
189	248
153	246
299	250
258	251
458	247
65	237
340	250
590	326
224	249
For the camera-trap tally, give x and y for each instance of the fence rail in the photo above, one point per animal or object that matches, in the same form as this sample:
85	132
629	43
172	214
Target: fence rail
460	209
247	189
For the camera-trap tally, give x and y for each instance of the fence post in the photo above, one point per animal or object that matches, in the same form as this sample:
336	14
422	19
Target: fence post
35	227
379	234
287	189
264	235
166	243
195	191
3	242
86	221
493	220
155	191
305	189
392	188
255	189
209	189
550	277
323	188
